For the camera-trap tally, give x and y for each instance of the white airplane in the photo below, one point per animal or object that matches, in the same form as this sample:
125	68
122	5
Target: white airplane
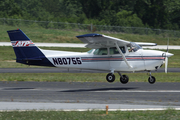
107	54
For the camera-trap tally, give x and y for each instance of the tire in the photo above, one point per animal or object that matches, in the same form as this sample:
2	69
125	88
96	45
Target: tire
124	79
152	80
110	77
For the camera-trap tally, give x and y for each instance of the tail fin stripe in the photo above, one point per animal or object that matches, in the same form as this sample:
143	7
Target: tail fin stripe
22	43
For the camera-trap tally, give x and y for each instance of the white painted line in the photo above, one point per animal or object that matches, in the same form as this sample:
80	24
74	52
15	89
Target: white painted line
81	110
141	91
175	47
26	106
81	45
148	109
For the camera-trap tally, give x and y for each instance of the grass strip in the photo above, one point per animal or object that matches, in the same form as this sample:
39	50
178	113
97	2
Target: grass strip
169	114
85	77
37	34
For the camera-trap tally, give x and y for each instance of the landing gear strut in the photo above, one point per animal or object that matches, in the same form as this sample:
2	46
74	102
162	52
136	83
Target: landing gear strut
151	79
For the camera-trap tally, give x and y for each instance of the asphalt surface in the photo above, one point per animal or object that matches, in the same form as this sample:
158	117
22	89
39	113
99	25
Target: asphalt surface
89	95
86	95
64	70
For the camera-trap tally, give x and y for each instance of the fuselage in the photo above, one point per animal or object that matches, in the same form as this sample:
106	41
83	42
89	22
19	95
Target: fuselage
140	60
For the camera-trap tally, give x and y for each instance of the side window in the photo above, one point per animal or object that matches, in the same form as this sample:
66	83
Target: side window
100	51
114	50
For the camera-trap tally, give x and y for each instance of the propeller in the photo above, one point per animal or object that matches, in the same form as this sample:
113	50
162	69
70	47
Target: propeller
166	60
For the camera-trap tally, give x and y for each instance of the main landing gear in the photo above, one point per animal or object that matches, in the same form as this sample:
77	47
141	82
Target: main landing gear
124	78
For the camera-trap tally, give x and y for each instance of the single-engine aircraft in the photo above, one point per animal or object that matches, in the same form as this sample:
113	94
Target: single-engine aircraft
107	54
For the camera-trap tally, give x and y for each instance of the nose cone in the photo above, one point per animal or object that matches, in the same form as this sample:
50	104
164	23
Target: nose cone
169	54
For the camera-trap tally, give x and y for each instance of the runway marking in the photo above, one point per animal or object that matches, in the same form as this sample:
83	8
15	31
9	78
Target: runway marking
80	110
143	91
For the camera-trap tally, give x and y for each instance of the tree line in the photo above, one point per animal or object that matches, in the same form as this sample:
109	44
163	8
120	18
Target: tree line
158	14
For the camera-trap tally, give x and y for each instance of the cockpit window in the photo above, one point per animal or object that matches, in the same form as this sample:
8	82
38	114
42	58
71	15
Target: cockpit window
114	50
133	47
101	51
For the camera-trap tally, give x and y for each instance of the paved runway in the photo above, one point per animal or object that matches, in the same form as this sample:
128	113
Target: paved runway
88	95
64	70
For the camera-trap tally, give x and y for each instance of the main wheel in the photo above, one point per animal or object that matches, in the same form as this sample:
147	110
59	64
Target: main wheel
152	80
110	77
124	79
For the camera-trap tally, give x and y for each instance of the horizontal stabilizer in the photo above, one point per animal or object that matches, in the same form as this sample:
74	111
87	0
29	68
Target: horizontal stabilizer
146	44
30	59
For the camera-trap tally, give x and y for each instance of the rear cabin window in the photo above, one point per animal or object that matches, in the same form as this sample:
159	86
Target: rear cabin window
101	51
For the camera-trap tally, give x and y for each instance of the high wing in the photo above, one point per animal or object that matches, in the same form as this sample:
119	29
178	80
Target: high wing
101	41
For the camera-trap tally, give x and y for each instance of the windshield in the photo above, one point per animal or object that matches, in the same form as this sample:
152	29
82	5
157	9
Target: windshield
90	51
133	47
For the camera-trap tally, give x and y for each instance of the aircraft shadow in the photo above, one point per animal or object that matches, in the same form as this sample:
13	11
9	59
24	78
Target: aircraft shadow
97	89
18	88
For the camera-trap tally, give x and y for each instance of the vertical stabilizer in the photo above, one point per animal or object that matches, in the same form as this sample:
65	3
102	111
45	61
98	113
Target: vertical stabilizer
25	50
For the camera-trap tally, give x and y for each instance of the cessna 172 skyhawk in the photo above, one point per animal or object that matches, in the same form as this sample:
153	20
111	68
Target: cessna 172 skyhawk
108	53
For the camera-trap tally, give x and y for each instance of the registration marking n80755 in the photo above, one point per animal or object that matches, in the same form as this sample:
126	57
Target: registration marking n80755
67	61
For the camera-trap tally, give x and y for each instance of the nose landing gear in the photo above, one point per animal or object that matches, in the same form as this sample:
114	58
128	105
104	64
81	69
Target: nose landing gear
151	79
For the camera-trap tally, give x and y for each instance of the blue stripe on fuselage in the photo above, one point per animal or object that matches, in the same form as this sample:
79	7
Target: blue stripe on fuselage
129	58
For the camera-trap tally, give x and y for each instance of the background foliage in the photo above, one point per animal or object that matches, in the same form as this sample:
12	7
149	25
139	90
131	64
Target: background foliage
159	14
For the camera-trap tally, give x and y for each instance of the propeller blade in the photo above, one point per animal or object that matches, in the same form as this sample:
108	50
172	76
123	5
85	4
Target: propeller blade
167	45
166	64
166	60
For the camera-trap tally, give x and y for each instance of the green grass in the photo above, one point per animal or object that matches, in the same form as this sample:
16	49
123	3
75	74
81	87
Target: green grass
168	114
69	36
85	77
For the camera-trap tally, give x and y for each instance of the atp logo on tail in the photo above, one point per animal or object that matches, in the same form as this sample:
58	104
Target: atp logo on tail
22	43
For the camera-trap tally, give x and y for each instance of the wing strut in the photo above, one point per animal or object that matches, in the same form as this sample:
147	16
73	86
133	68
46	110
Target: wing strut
124	58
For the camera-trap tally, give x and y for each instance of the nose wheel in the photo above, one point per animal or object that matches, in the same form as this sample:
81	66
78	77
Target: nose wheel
151	79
